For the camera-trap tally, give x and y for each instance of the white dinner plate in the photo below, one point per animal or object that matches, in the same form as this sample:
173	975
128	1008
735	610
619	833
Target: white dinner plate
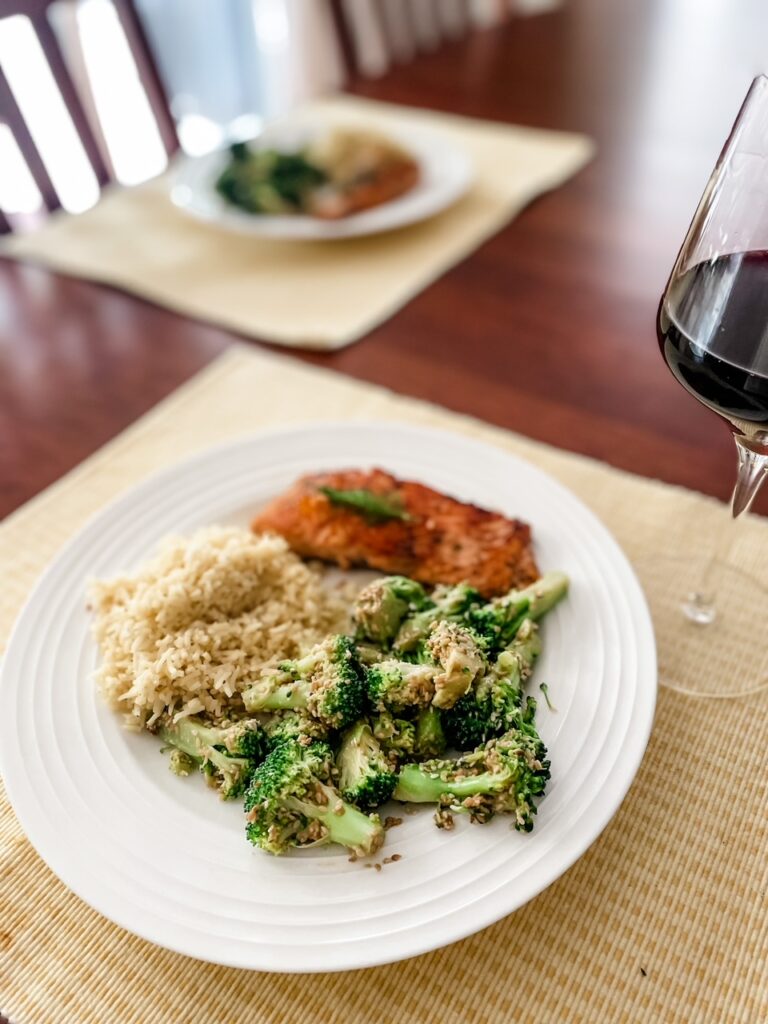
164	858
446	174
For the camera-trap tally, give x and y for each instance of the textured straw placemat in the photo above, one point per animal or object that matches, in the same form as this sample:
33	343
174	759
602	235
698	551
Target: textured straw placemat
665	917
314	294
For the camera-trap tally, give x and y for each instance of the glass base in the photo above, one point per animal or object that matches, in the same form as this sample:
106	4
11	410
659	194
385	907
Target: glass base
709	638
700	608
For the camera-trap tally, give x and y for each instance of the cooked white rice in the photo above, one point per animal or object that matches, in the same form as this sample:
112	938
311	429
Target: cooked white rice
206	618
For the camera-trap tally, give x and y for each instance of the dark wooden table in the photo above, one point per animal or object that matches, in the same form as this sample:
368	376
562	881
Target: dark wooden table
548	329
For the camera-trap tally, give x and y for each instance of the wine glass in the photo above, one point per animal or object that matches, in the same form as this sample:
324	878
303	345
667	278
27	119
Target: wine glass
713	334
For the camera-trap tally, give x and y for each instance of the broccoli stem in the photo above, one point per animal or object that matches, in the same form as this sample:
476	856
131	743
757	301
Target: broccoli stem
288	697
190	737
430	737
416	785
517	660
546	592
344	823
538	598
232	775
196	742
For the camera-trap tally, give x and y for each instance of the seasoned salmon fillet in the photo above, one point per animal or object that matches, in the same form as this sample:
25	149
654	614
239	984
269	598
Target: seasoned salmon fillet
401	527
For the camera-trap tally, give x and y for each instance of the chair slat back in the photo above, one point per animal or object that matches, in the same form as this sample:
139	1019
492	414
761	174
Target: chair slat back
66	87
12	116
37	11
396	31
148	73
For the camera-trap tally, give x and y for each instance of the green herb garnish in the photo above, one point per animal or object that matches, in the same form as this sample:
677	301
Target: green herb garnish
378	508
545	690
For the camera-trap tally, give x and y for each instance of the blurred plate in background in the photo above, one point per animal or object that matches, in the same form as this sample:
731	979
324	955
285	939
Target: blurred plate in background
446	174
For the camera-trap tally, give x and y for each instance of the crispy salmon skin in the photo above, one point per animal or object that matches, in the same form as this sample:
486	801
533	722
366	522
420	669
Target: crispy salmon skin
373	519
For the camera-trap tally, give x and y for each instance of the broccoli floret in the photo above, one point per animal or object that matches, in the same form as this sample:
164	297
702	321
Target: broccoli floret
446	603
493	705
383	604
397	736
226	755
182	764
293	725
229	775
266	181
457	652
291	801
498	621
502	777
366	777
369	654
399	685
326	682
430	736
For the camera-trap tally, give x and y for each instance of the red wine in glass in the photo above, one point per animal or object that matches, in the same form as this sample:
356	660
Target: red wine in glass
713	332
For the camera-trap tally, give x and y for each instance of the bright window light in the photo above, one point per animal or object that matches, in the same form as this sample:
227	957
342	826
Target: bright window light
46	115
198	134
126	119
270	19
18	191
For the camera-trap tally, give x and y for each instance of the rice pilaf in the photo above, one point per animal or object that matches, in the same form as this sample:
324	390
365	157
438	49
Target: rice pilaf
206	617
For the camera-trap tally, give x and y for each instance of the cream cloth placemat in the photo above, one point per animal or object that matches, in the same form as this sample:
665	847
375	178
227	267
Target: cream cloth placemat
664	919
314	294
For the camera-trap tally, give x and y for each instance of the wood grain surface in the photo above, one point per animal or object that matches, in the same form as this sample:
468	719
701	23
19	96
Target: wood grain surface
548	329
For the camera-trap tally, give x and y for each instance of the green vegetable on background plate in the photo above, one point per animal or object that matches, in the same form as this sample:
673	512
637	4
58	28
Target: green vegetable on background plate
266	181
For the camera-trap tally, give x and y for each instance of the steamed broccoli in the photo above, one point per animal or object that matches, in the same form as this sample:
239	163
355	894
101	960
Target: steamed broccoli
502	777
369	654
457	652
430	736
293	725
266	181
343	728
446	603
498	621
399	685
227	755
182	763
326	682
397	736
383	604
493	705
291	801
366	777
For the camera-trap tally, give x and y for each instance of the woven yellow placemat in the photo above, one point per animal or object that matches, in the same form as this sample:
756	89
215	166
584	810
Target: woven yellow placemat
664	919
314	294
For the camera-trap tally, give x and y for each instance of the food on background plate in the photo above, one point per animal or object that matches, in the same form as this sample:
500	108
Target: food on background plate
316	707
369	517
340	173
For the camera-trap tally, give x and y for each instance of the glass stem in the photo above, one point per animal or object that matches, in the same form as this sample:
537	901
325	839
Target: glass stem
700	605
753	466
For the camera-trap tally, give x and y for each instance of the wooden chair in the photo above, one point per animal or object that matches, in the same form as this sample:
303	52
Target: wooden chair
38	13
374	34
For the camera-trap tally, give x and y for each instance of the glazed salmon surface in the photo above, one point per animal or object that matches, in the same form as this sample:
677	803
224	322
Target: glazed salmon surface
438	539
